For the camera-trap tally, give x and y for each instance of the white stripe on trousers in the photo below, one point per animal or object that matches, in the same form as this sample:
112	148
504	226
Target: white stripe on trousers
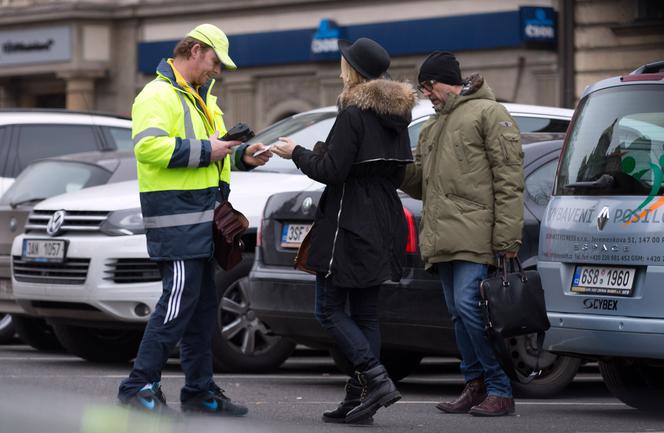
176	291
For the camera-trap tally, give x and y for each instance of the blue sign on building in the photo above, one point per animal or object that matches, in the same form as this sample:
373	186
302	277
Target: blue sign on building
495	30
538	24
324	42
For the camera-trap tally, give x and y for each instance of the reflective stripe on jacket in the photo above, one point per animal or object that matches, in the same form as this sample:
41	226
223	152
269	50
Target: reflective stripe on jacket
178	183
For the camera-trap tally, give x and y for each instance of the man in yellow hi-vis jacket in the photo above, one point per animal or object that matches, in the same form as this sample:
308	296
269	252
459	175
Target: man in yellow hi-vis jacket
183	173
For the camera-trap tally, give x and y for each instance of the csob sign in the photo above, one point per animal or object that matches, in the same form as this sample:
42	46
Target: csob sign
324	41
538	25
35	46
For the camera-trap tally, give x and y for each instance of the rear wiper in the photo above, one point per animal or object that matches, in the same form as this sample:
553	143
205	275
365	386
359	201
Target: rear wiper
605	181
15	204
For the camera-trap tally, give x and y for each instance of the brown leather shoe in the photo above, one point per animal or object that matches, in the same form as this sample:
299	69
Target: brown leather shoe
494	406
473	394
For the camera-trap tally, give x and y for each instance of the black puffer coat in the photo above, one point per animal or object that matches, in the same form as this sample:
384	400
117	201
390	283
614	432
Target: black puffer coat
360	233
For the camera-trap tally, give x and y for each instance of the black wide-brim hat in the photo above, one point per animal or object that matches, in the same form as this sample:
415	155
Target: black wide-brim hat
366	56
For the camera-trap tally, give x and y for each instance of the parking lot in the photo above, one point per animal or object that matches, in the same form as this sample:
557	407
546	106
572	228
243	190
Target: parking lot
57	392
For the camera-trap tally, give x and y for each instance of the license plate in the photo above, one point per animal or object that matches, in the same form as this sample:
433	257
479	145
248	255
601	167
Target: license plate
44	250
292	235
603	280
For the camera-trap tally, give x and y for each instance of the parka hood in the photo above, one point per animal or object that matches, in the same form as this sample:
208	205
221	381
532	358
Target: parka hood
474	88
392	101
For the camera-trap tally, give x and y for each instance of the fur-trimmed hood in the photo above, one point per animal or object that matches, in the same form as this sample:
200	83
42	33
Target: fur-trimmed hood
384	97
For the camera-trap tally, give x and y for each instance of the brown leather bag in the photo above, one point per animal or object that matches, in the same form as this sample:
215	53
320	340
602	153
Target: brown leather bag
228	227
302	255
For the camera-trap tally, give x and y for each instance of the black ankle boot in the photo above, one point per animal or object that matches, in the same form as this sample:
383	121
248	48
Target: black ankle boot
351	400
379	390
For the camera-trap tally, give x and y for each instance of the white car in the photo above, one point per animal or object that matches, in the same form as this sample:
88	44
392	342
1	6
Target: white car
94	282
30	134
27	135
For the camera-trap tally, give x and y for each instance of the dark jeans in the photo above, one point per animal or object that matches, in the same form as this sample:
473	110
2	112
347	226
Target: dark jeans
461	285
358	334
186	313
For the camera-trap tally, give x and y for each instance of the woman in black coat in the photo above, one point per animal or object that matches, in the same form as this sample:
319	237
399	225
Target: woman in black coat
359	235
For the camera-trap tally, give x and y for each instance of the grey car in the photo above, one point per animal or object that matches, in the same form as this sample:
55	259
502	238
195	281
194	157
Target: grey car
40	180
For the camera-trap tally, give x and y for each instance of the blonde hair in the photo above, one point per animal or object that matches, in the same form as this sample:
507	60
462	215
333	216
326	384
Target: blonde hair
349	75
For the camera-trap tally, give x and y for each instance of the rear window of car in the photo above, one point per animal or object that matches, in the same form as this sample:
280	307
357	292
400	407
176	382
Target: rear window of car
43	141
121	138
540	124
616	145
305	130
45	179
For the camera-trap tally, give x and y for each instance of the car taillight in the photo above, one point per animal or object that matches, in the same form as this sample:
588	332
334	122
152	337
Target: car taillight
411	245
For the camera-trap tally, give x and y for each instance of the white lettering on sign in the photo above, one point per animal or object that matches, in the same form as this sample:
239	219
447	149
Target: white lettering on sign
534	31
324	46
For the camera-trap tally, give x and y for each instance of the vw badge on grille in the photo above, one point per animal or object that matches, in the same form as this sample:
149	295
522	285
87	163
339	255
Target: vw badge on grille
306	204
602	218
55	223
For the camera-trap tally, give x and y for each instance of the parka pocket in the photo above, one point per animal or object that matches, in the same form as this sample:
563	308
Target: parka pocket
510	144
459	146
464	204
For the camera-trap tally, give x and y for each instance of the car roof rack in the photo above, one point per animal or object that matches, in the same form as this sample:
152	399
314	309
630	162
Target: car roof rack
649	68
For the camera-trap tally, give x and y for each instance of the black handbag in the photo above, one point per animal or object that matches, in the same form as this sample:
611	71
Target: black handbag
512	304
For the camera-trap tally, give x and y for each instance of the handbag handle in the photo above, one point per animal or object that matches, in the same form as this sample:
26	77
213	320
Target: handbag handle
513	264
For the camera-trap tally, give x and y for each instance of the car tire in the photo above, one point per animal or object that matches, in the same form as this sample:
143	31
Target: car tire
99	345
399	364
7	329
241	342
36	333
634	382
557	371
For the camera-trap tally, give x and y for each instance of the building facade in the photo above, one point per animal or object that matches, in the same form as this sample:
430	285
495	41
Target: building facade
97	54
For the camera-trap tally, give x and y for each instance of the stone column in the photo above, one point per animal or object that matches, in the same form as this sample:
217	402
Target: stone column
239	102
80	89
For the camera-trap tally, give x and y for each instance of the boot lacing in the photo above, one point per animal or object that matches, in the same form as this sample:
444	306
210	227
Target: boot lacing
363	382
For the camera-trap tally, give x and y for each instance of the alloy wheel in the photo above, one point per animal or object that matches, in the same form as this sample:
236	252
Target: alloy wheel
240	327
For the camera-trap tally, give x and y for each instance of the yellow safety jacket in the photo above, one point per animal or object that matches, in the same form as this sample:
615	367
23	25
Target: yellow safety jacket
179	185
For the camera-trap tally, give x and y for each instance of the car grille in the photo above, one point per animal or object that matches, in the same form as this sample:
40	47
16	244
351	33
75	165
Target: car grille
74	221
72	271
127	271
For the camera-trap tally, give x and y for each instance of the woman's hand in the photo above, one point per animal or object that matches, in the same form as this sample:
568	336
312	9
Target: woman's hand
284	148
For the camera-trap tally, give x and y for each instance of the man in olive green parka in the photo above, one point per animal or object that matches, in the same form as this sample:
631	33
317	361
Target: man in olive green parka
468	173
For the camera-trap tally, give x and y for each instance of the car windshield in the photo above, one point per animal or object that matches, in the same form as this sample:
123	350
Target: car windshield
305	130
45	179
616	145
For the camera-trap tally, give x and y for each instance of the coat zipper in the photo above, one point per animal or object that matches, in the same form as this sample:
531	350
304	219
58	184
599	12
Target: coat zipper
336	233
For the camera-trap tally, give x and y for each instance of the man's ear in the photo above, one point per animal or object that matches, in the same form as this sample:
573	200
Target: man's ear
196	50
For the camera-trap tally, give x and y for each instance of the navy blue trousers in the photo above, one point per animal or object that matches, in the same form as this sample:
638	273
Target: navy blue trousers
185	312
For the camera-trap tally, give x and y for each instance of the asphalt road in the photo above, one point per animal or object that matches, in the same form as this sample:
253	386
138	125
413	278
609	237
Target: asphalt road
54	393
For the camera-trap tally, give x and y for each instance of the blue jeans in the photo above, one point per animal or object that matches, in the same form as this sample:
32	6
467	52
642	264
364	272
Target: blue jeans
461	286
357	335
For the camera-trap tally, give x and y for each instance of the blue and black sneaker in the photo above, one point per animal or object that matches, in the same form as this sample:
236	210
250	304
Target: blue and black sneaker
149	399
214	402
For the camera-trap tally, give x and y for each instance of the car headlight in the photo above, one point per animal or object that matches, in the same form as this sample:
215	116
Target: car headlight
123	223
